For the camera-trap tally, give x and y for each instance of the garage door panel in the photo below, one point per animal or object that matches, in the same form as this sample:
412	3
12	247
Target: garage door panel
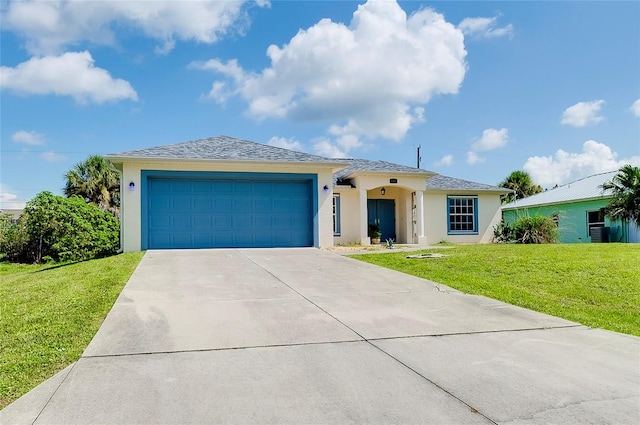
263	239
181	223
263	221
202	222
202	186
241	221
160	240
222	186
243	239
201	203
242	205
181	240
202	239
181	186
159	203
160	185
262	204
222	238
221	203
158	222
199	213
222	221
242	187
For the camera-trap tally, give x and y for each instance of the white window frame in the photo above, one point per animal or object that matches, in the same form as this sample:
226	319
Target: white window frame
464	212
336	215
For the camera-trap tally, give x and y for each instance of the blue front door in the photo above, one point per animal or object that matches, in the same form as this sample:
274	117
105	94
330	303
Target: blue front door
383	213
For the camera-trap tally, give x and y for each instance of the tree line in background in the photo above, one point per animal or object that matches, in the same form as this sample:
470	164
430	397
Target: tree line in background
80	226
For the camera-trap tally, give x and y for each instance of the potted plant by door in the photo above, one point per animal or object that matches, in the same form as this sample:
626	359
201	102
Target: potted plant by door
374	233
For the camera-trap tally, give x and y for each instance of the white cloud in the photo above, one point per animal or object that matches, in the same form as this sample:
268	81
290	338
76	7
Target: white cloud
474	158
71	74
28	137
368	79
52	157
635	108
491	139
484	28
565	167
446	161
9	200
49	26
281	142
324	147
583	113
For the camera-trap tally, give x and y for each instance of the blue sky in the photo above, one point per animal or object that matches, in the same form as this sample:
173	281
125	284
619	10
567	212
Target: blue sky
484	87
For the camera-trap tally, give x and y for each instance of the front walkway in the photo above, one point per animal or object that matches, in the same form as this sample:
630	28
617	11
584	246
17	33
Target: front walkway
303	336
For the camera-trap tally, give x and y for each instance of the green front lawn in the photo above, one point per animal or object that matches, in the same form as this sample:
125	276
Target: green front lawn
49	313
597	285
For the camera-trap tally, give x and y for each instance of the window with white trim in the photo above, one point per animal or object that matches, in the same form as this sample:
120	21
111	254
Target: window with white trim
462	216
336	214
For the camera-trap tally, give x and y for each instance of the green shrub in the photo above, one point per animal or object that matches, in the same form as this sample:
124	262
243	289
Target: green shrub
535	229
503	233
13	237
63	229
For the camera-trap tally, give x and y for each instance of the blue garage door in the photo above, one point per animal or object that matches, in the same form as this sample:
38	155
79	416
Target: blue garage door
220	213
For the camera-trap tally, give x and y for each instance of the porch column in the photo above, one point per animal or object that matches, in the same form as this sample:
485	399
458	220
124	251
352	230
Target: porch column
422	239
364	224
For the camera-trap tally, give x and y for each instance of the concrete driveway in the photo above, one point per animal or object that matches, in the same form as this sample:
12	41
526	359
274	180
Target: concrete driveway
302	336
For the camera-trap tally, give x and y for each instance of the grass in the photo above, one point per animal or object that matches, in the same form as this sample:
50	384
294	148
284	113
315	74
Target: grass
50	313
597	285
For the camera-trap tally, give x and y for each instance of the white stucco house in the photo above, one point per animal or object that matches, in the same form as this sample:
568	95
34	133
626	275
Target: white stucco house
226	192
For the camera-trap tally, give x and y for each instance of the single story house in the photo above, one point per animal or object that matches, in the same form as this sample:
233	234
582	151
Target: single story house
578	209
226	192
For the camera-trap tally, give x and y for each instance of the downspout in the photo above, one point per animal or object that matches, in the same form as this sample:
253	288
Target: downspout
121	248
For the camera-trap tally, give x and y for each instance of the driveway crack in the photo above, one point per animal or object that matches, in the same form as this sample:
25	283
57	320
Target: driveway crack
471	408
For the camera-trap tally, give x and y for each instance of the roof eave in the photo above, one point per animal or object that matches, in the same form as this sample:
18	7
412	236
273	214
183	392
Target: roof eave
500	191
546	204
425	174
334	166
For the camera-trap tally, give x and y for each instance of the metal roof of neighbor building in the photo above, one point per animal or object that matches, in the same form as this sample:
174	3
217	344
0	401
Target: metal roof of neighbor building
579	190
440	182
222	148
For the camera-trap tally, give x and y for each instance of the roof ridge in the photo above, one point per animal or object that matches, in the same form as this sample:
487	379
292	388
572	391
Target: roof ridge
576	181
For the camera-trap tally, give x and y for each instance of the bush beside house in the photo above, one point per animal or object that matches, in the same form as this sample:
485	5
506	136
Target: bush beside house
55	228
526	229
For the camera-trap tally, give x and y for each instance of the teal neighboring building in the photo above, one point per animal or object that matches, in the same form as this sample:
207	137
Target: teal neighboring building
578	209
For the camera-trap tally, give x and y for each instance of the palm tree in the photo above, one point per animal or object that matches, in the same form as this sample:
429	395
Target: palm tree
97	181
625	188
522	185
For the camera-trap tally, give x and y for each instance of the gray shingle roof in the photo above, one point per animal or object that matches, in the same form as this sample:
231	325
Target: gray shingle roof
440	182
365	165
586	188
232	149
223	148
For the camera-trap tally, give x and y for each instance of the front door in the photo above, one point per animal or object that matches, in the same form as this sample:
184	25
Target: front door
383	213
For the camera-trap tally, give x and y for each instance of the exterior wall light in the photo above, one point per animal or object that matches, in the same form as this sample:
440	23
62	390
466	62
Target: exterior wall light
132	186
382	191
325	189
